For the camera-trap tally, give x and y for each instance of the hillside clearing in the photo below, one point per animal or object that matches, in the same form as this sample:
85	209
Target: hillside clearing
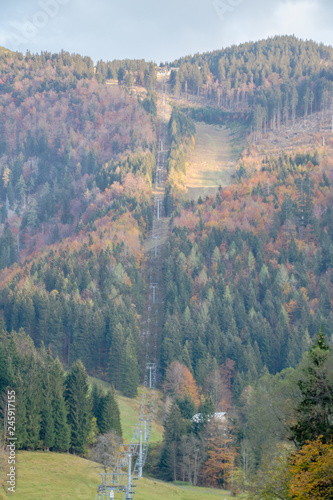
130	411
63	477
313	132
54	476
213	160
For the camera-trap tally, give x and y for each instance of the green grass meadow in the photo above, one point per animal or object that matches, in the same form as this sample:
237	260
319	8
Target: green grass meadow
130	410
55	476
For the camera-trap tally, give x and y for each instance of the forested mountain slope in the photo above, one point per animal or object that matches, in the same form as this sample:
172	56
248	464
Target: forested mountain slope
61	133
248	295
77	162
278	79
247	273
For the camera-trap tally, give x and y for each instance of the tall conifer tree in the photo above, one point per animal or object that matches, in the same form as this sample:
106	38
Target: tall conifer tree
79	406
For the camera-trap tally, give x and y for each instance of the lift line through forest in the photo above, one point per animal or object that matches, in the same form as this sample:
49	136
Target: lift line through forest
130	462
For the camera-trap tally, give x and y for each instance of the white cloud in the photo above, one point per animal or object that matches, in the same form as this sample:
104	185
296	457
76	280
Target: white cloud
296	17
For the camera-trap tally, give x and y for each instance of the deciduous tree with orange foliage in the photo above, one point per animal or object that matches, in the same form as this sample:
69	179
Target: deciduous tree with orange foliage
179	381
221	452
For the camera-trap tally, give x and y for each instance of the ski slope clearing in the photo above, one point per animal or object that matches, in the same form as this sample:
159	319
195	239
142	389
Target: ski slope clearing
213	160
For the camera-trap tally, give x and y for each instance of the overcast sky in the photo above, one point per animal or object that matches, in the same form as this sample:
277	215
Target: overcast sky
157	30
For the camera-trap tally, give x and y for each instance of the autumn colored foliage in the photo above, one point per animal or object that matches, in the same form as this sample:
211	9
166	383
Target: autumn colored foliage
65	139
221	454
179	381
311	472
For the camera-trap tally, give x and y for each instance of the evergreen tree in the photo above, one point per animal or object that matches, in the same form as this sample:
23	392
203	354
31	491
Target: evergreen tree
47	430
31	375
108	415
130	370
62	431
7	248
206	411
315	410
6	374
21	415
95	396
116	356
186	406
175	427
32	219
79	406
